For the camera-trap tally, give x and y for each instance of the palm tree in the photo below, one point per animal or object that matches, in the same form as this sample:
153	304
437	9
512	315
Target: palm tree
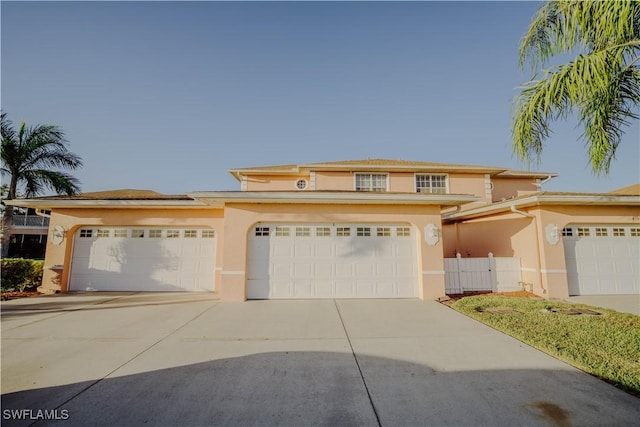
601	85
29	157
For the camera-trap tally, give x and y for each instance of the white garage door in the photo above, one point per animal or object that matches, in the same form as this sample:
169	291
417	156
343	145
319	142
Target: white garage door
332	261
143	259
602	259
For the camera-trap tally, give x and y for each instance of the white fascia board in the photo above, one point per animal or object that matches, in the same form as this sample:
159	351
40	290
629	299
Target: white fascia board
309	197
404	168
538	200
131	204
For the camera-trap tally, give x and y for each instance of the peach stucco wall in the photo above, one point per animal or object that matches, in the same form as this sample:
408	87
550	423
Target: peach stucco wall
72	219
513	235
239	219
274	182
507	188
232	227
401	182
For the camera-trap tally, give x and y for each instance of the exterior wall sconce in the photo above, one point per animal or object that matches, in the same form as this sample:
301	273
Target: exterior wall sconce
431	234
552	234
58	234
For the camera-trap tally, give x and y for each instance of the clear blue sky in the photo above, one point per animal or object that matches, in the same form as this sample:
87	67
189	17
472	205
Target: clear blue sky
169	96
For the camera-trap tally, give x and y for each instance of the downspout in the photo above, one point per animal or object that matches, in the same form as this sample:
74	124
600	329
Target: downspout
544	181
523	213
528	215
41	213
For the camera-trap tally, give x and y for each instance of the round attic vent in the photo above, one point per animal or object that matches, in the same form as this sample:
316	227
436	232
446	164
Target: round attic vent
301	184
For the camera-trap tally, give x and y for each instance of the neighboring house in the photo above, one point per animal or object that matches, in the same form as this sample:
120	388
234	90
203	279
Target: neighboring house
370	228
28	235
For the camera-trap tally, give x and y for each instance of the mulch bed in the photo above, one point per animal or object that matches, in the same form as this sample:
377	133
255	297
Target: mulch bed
5	296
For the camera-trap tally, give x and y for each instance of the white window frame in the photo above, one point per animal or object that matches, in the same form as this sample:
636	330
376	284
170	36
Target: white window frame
371	174
446	182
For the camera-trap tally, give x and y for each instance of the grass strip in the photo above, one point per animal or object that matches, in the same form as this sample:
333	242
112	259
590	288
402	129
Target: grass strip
605	345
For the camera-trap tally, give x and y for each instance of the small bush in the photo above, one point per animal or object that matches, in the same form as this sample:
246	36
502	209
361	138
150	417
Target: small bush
20	274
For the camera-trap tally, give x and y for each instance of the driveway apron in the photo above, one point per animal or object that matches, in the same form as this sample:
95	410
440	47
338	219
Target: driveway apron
185	359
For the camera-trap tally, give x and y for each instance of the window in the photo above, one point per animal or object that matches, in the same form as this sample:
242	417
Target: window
86	233
137	233
383	232
301	184
262	231
343	231
155	234
363	231
582	232
120	233
323	231
403	231
173	234
371	182
634	232
103	233
601	232
435	184
618	232
567	231
190	234
208	234
282	231
303	231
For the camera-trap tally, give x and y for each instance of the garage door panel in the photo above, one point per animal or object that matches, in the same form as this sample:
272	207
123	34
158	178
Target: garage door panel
280	287
303	250
325	250
282	249
599	264
385	270
147	263
365	270
324	288
345	289
331	261
323	269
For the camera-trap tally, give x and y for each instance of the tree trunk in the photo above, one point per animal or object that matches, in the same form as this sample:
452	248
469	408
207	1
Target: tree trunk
7	217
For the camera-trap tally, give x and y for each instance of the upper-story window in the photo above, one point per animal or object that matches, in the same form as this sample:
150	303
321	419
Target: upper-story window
435	184
371	182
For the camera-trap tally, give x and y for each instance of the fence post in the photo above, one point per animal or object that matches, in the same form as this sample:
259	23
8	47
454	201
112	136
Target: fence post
492	272
458	268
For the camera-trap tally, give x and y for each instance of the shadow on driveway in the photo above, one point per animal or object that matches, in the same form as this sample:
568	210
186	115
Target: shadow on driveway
327	388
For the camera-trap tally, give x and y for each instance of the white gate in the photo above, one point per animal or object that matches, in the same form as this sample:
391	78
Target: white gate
490	274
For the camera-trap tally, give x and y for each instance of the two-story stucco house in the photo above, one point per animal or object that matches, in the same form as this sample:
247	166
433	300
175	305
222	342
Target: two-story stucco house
370	228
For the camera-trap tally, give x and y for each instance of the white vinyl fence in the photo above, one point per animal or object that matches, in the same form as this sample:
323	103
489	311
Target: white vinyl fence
495	274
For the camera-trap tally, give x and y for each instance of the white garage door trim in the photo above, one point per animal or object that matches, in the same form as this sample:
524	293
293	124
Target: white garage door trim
602	259
143	259
306	261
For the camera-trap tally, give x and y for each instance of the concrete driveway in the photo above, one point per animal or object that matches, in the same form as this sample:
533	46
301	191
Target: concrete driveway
188	359
622	303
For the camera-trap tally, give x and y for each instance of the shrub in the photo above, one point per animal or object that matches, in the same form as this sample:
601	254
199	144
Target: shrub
20	274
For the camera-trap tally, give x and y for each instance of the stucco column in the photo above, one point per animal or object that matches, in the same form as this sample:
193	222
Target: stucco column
234	254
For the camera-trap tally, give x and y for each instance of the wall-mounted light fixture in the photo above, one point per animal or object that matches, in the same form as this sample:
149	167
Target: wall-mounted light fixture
431	234
552	234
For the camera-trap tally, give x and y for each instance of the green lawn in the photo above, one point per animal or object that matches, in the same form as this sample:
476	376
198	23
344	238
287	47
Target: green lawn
605	345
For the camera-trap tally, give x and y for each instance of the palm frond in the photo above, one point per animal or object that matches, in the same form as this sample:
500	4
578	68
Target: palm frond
38	179
602	84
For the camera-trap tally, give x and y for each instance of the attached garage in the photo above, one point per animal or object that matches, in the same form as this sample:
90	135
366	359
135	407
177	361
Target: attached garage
289	261
602	259
143	259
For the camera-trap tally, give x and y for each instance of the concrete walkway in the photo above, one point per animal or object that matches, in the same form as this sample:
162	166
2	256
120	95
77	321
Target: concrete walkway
621	303
188	359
